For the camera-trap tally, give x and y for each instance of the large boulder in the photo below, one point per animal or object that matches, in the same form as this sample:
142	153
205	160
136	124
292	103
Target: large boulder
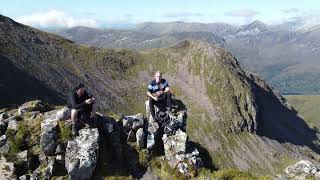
175	148
49	135
153	130
173	145
82	154
302	169
140	136
12	123
133	122
36	105
63	113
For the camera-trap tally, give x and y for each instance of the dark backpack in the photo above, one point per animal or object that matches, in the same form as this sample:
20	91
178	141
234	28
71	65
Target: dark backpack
162	118
171	127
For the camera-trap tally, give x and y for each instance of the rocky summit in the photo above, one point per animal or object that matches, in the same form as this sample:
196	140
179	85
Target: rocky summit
227	121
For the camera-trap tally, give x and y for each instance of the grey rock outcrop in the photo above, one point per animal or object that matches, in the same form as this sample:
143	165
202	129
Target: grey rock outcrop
82	154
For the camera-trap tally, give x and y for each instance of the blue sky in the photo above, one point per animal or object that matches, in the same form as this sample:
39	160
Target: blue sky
98	13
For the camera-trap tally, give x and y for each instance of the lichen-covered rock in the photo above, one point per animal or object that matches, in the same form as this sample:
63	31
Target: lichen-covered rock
36	105
49	135
3	126
6	169
3	140
153	128
140	136
133	122
173	145
82	154
302	169
3	116
12	124
23	163
4	145
175	152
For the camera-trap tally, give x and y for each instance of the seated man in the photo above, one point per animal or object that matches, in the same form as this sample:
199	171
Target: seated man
159	94
82	106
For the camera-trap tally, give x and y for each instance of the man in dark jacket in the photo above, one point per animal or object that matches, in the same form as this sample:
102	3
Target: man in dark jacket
82	106
159	94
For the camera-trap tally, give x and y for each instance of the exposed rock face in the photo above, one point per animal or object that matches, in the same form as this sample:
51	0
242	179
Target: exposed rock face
49	135
302	169
6	169
140	136
131	125
82	154
37	105
153	128
173	145
133	122
3	123
224	94
12	124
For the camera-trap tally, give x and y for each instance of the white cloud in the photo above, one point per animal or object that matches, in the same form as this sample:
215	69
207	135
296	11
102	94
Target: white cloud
306	20
247	13
54	18
182	14
291	10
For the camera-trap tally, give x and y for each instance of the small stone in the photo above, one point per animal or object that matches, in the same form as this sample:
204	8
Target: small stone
12	124
5	148
131	136
24	177
63	114
3	140
150	140
140	136
183	168
23	156
3	116
60	149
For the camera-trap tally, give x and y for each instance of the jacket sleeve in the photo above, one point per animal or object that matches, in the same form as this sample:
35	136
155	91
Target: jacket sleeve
166	84
150	87
74	104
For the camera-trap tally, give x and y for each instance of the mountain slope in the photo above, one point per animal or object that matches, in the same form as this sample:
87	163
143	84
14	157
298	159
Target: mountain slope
133	39
220	29
288	59
235	116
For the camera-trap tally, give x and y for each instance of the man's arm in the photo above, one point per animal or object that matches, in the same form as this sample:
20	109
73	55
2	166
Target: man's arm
166	87
149	92
74	104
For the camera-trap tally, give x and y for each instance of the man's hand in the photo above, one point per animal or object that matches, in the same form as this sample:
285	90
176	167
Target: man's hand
90	101
159	93
155	98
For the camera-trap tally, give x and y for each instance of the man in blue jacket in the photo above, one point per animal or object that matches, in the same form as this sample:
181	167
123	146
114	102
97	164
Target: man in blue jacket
159	94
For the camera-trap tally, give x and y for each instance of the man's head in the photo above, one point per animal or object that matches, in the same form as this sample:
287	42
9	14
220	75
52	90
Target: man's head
158	76
80	89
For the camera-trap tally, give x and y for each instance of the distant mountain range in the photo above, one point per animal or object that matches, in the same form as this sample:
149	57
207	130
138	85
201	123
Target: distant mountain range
235	116
288	58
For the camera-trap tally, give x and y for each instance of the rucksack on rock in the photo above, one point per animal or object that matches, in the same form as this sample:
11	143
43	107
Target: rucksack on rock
171	127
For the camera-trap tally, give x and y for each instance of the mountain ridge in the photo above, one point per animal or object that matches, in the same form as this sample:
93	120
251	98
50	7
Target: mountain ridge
230	110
